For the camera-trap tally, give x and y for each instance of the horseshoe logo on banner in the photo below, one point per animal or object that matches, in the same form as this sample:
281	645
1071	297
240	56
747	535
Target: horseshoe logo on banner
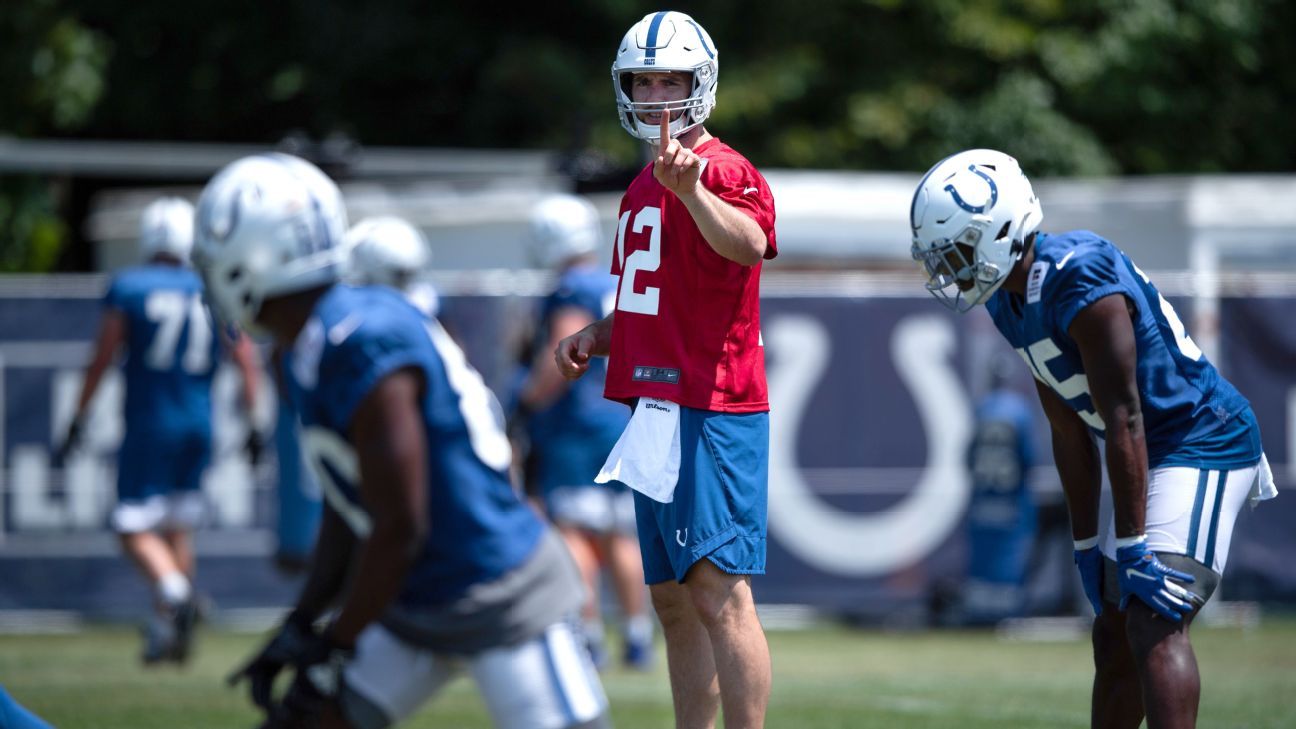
867	544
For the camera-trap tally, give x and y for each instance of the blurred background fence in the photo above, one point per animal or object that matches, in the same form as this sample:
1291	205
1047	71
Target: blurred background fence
872	385
1163	126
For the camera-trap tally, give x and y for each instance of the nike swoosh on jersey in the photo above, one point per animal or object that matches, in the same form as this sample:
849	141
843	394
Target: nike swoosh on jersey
750	189
343	329
1065	258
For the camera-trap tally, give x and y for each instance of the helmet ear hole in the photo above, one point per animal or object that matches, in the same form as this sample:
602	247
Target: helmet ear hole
1002	231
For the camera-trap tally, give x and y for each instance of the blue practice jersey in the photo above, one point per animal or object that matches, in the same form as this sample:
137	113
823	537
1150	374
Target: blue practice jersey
582	410
1192	416
478	528
171	349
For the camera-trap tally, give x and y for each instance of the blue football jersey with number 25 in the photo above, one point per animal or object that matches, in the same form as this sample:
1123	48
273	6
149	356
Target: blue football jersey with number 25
478	528
1192	416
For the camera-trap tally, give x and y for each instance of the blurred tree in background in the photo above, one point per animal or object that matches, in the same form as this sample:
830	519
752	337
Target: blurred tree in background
1071	87
51	78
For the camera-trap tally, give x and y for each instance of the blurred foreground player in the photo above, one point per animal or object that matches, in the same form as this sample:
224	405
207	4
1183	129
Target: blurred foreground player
434	564
14	715
1112	361
155	316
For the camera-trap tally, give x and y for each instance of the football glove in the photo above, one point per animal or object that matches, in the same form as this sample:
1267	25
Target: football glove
319	678
1144	576
300	708
1090	563
294	639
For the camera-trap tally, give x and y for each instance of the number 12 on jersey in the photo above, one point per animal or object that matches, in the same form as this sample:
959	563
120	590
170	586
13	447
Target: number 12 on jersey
648	260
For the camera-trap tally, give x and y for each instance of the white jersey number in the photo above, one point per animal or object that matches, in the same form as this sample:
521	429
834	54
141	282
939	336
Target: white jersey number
336	468
170	309
1037	357
642	260
1185	343
477	403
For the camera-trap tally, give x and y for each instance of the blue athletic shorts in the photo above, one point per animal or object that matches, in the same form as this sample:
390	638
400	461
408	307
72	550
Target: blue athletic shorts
156	463
720	506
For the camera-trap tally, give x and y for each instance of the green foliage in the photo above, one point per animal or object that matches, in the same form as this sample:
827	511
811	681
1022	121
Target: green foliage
31	233
1069	86
53	67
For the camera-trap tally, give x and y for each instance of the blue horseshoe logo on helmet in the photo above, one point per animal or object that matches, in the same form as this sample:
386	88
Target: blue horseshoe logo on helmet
994	193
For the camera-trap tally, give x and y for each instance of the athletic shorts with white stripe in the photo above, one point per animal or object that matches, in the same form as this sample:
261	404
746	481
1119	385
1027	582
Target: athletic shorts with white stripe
547	682
1191	512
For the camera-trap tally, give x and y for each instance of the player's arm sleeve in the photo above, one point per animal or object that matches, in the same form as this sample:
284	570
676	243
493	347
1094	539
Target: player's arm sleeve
116	295
1092	274
350	369
744	188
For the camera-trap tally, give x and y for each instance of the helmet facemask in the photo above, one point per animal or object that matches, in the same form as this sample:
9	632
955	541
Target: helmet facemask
695	108
959	273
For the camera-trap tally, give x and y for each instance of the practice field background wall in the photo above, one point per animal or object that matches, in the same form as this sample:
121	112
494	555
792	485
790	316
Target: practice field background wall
871	388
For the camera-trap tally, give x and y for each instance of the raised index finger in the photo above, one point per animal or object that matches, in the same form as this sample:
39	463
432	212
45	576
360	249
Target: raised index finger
664	139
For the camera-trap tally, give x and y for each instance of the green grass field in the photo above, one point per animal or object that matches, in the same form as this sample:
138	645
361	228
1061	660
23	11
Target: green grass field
824	678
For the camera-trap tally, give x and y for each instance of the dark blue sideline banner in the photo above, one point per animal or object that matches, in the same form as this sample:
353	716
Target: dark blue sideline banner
871	411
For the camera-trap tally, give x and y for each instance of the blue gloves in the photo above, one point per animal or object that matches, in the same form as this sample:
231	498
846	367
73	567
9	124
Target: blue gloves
1142	575
1090	563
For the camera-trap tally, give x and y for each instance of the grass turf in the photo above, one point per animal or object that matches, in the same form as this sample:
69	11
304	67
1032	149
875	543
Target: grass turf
824	678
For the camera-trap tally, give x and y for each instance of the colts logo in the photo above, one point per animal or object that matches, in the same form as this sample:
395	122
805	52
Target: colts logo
958	199
216	223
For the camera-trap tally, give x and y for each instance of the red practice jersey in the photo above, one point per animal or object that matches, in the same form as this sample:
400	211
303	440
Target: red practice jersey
687	321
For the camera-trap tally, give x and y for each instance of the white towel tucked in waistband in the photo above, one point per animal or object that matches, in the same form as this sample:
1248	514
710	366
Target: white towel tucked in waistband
1263	489
647	456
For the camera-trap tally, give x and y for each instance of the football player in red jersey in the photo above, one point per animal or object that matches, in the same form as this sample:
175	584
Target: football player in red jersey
685	351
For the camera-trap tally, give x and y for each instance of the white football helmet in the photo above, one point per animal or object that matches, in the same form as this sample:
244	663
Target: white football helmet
562	228
666	41
267	225
386	251
167	227
971	216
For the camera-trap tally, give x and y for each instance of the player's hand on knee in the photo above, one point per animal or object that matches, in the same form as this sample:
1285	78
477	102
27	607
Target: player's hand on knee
291	641
1089	561
1144	576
